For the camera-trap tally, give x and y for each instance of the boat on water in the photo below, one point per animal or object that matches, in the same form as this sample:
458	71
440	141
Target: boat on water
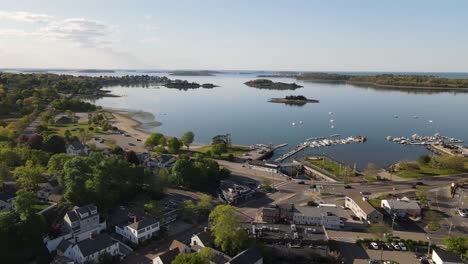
300	122
293	123
395	116
331	120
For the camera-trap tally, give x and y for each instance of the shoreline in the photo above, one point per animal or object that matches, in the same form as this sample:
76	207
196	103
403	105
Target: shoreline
128	124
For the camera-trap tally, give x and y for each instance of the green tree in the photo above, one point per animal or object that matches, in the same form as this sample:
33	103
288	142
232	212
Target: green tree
226	226
4	171
155	139
54	144
219	149
29	176
187	138
174	145
193	258
457	244
153	208
424	159
23	204
181	172
422	197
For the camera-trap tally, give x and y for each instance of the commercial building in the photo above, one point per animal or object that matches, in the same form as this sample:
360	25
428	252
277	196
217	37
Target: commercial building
362	208
401	207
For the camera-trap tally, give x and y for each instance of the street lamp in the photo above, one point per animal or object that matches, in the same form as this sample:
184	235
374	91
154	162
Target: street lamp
428	246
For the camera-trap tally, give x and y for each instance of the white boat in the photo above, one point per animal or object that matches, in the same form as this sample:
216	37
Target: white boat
395	116
293	124
415	117
300	122
330	113
331	120
430	121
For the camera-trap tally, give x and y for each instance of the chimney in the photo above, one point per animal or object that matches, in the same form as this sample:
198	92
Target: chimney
135	219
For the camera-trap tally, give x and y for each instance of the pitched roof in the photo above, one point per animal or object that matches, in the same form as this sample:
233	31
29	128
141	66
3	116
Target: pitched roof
248	256
447	256
76	145
177	244
169	256
91	246
363	204
403	204
73	216
143	223
206	238
63	245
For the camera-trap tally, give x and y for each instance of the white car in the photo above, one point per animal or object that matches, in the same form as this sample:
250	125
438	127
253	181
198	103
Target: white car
374	245
462	212
395	246
402	246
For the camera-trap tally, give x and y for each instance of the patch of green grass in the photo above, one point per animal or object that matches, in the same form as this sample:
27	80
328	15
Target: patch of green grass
40	207
433	226
426	171
235	150
59	129
331	167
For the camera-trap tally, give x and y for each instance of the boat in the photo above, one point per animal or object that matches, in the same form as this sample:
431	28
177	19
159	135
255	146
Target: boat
430	121
331	120
300	122
395	116
293	124
415	117
330	113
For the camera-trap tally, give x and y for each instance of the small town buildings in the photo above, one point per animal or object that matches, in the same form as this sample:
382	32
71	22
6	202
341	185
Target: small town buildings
164	161
47	189
77	149
138	231
362	208
89	250
440	256
402	207
175	249
234	193
277	213
327	216
248	256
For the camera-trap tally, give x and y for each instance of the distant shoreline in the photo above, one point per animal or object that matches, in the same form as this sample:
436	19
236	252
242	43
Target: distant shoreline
387	85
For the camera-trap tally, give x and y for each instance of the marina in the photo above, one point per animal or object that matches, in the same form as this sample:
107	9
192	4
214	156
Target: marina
415	139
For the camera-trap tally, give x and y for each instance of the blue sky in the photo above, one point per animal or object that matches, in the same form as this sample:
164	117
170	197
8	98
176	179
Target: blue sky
304	35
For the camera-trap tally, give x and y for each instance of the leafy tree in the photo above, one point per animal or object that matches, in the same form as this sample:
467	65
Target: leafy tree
54	144
181	172
4	171
56	166
35	141
153	208
457	244
155	139
187	138
226	226
422	197
174	145
131	157
23	204
424	159
29	176
219	149
193	258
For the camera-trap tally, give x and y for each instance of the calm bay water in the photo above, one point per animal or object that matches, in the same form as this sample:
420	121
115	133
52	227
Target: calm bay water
246	114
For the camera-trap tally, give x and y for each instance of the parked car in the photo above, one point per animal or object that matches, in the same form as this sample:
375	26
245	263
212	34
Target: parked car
388	246
375	245
395	246
348	187
374	261
419	183
300	182
138	139
462	212
365	193
403	246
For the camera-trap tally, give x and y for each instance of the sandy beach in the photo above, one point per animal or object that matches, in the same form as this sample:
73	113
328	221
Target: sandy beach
131	126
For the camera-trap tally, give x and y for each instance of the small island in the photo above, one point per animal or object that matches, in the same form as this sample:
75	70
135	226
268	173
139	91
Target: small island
179	84
293	100
268	84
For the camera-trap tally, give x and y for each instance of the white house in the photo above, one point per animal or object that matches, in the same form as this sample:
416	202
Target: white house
248	256
89	250
202	239
362	208
330	217
401	207
139	230
79	224
440	256
77	149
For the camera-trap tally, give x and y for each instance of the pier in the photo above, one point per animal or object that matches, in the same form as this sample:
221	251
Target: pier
297	149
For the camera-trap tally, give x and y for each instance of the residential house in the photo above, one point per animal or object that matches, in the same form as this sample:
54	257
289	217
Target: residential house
47	189
362	208
248	256
62	119
90	249
328	216
402	207
138	230
183	248
77	149
175	249
164	161
218	257
440	256
202	239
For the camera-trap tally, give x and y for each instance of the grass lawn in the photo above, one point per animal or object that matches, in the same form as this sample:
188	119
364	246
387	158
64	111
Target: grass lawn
39	207
235	150
338	170
425	171
59	129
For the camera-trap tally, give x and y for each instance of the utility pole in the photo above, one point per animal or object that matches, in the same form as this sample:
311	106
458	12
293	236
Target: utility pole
428	246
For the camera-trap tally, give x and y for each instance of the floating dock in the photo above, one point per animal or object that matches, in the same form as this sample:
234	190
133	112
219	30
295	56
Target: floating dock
297	149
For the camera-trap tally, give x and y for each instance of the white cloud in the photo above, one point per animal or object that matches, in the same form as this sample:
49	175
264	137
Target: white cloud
13	33
24	16
83	32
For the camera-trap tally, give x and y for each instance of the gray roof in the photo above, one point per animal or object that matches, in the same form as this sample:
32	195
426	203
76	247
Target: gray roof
317	211
364	205
403	204
169	256
63	246
91	246
77	145
143	223
206	238
74	215
249	256
447	256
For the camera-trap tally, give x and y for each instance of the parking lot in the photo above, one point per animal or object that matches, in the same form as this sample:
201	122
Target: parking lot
354	254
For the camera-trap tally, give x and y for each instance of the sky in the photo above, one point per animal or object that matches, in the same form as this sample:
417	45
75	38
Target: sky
294	35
